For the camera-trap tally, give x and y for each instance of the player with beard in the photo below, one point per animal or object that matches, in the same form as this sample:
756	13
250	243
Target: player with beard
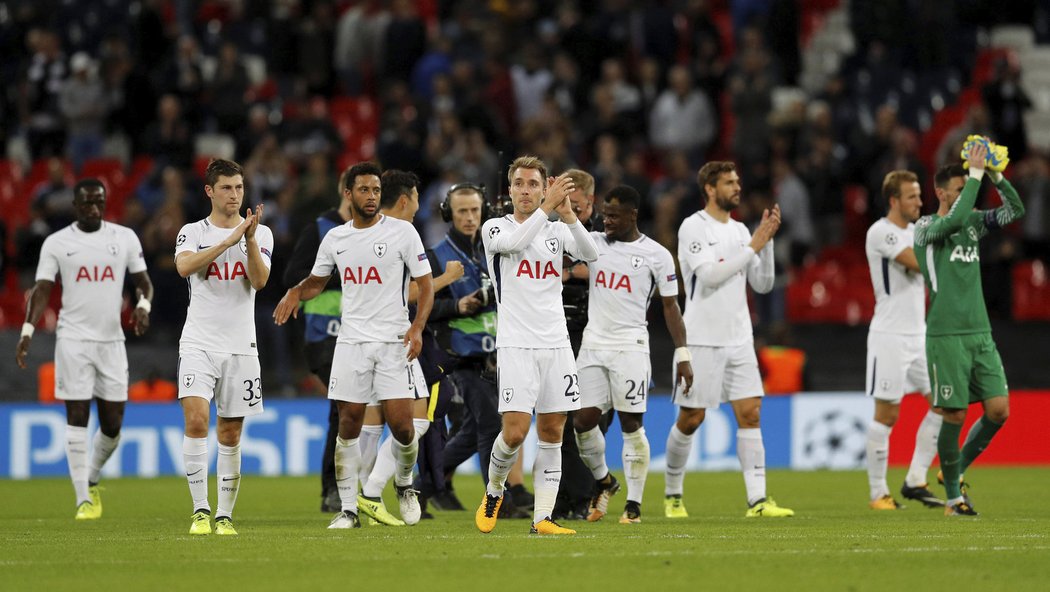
719	257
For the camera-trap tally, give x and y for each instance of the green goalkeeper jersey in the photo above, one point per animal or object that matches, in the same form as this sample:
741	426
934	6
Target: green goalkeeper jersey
949	257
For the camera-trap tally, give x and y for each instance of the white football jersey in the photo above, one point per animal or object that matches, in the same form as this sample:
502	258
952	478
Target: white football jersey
622	282
221	316
900	296
374	265
92	267
528	280
718	316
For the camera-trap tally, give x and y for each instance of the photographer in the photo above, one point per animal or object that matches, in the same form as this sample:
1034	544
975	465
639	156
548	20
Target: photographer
464	319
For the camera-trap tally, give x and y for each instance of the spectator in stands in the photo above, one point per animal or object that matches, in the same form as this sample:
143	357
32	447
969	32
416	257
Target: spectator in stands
673	197
53	198
405	40
797	228
129	91
169	139
317	185
315	45
313	134
977	121
83	104
900	156
1007	101
1032	179
751	99
228	90
358	42
258	128
183	77
39	95
531	80
626	97
682	118
822	172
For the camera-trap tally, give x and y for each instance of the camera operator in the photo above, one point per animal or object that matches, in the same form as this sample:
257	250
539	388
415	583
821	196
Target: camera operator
464	319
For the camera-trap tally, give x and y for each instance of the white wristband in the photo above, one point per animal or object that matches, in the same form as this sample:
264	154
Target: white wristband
144	305
27	330
681	354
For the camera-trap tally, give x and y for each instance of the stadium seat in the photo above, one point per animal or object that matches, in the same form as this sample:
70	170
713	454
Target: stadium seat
214	145
1031	291
1016	37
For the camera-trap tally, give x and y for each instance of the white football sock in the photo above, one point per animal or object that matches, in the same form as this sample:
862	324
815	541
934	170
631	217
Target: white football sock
679	446
592	451
404	460
500	463
546	478
878	452
347	467
752	454
102	448
228	478
77	458
382	470
195	461
369	442
925	449
635	463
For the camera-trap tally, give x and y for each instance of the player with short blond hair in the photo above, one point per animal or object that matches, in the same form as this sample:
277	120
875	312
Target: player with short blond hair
536	369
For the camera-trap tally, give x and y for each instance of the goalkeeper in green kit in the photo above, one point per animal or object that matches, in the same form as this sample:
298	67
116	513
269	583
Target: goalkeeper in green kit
963	361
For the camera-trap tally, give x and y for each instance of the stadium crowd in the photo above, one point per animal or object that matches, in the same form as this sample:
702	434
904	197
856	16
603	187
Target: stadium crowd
639	93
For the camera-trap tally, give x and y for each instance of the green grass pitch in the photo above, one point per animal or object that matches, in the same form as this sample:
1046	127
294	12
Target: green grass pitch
833	543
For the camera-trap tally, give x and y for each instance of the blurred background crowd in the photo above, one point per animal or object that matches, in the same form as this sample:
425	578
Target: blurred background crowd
815	100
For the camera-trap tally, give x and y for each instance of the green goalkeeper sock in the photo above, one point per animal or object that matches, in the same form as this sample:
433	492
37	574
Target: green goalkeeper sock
977	440
948	449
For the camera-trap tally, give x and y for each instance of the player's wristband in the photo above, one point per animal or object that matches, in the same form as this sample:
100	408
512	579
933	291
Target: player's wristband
144	305
976	173
681	354
27	330
996	176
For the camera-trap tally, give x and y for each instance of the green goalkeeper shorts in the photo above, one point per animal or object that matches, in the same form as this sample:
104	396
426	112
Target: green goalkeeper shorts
964	369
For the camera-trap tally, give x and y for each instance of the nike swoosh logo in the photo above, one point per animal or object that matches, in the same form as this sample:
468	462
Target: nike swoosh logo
194	473
202	247
343	479
341	252
254	403
230	478
576	398
71	253
549	472
636	403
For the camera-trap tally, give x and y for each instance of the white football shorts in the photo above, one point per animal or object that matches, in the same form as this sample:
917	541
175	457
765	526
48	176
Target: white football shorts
371	372
896	366
720	375
233	380
91	369
540	380
614	379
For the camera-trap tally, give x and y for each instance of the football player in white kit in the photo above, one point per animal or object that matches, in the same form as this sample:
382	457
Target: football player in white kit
375	256
719	257
225	259
91	257
535	366
896	361
614	356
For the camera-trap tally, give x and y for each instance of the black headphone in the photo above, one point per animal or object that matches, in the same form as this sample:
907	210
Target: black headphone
445	207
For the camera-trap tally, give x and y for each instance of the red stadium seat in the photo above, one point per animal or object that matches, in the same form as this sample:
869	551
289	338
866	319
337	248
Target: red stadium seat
1031	291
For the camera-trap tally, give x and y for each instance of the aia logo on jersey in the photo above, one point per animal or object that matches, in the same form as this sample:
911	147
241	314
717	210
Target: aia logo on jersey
613	281
636	261
361	276
379	249
552	245
532	269
95	274
965	254
226	273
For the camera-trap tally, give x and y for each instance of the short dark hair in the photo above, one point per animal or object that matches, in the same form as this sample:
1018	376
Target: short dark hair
220	167
395	184
892	182
84	184
709	173
358	170
625	195
948	172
